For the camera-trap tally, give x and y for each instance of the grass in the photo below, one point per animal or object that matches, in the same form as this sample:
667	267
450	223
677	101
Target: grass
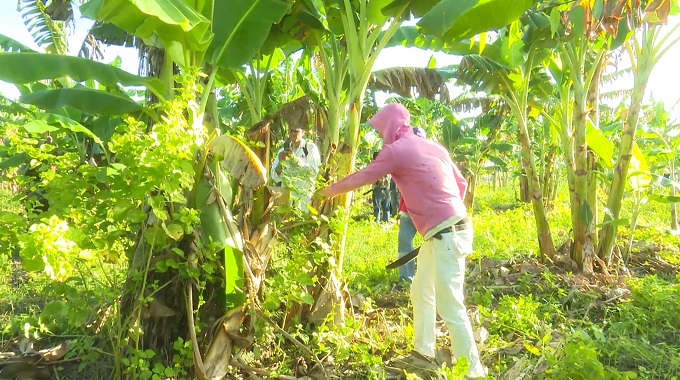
534	321
543	322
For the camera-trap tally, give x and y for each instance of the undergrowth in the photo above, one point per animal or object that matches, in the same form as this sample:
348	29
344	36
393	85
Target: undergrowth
532	321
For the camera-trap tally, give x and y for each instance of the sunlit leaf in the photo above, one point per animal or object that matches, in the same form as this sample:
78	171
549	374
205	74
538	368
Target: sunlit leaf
173	230
241	162
600	144
39	127
639	175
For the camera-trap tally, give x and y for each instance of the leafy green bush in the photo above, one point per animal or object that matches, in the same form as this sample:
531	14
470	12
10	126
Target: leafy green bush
578	359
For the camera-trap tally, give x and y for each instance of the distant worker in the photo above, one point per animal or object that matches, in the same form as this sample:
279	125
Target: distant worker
381	197
296	166
394	197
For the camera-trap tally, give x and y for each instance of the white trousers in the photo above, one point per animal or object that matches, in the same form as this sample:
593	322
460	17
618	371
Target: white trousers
438	285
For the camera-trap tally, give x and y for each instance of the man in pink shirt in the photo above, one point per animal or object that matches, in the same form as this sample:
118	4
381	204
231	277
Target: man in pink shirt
433	189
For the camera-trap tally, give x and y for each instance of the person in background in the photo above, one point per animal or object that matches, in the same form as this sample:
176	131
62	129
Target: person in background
433	188
394	198
407	231
381	197
296	166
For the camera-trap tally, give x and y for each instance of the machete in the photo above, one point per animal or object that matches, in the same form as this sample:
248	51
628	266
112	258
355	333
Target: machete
403	260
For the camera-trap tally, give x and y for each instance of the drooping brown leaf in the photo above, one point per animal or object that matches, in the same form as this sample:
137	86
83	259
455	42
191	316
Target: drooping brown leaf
613	11
295	113
658	11
469	104
60	10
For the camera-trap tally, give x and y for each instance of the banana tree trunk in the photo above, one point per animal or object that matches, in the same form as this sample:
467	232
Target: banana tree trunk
328	297
645	63
593	102
470	195
592	197
549	181
545	242
353	61
581	210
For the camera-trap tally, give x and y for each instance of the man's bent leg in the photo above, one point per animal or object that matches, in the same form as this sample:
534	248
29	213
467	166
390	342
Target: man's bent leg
423	300
449	280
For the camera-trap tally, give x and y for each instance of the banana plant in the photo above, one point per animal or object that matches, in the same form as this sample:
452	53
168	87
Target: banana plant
476	143
660	140
577	69
644	50
511	76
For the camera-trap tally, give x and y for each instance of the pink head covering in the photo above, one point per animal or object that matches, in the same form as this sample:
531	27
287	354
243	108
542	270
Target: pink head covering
393	121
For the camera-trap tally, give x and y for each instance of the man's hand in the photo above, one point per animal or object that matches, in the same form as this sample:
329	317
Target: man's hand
284	154
321	194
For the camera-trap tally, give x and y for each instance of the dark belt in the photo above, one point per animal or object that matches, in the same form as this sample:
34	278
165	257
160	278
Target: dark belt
461	225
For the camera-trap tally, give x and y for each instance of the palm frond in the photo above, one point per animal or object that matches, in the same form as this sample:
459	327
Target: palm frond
615	94
10	45
467	104
618	74
48	33
427	83
481	73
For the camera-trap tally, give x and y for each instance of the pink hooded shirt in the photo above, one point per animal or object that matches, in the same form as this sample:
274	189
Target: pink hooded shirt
429	182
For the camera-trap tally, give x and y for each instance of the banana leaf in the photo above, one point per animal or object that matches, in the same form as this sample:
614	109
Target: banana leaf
241	28
410	36
171	24
458	19
31	67
85	99
217	227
